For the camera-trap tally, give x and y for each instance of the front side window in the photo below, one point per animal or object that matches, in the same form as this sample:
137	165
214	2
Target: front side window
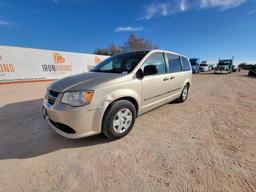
157	59
123	63
185	64
174	63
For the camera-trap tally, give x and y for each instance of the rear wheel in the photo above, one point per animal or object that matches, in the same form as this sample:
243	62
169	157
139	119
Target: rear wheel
184	94
119	119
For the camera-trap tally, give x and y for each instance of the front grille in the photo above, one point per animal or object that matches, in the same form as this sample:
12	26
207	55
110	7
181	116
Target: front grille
53	93
221	68
52	96
51	100
63	127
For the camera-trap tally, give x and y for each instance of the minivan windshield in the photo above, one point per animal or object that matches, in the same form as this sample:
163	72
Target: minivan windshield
123	63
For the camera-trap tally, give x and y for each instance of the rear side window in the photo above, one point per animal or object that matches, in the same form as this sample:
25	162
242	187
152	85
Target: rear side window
174	63
185	64
158	60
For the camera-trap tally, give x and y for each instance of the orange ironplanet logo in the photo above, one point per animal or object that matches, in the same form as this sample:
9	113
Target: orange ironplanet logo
97	60
6	68
58	58
59	65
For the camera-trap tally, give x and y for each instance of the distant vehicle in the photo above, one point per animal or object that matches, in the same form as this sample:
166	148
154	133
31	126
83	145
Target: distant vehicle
246	66
252	71
204	66
195	63
212	67
234	68
224	66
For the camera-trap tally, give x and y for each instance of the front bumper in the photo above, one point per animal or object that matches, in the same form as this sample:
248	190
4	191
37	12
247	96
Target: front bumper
221	72
81	120
203	70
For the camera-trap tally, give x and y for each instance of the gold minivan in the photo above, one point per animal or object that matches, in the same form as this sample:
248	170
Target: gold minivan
110	97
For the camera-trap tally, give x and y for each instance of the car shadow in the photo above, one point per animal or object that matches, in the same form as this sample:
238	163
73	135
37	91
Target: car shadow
25	134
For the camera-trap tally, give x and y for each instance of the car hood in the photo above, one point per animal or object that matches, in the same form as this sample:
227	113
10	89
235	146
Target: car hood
84	81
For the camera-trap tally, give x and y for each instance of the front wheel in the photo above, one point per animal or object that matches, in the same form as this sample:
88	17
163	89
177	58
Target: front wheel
119	119
184	94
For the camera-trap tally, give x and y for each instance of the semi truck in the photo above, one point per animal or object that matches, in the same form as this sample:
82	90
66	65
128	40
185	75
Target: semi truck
195	63
204	66
224	66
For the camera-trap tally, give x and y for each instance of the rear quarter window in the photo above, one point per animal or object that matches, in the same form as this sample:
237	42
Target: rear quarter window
185	64
174	63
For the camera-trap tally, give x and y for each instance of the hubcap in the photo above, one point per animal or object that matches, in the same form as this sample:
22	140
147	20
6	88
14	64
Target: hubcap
122	120
185	93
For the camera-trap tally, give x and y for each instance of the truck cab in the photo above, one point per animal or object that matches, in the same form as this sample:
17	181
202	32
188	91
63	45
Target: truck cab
224	66
204	66
195	63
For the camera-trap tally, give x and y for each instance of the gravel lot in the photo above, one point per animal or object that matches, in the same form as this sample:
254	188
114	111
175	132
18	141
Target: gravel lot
205	144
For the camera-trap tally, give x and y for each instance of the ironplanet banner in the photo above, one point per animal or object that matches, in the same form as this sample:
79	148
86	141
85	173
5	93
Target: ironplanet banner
26	64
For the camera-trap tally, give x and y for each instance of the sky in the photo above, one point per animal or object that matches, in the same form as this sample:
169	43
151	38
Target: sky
207	29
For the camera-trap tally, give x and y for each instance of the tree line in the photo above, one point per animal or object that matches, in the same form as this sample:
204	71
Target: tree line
132	44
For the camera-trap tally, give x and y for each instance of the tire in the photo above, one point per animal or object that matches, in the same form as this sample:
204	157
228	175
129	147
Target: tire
184	94
118	119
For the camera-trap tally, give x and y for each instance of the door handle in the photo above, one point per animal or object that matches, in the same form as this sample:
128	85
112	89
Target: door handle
166	79
171	78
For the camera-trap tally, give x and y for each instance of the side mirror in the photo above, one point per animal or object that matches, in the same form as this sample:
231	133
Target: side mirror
150	70
140	74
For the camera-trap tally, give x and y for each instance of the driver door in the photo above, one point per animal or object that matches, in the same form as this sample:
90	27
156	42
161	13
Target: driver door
155	87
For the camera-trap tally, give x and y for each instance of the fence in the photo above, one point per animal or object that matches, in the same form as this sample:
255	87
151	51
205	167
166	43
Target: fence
25	64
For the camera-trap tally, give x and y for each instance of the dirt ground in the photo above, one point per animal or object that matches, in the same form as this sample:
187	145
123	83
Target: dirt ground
205	144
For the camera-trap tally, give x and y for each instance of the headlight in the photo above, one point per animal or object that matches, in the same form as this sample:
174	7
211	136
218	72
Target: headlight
77	98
